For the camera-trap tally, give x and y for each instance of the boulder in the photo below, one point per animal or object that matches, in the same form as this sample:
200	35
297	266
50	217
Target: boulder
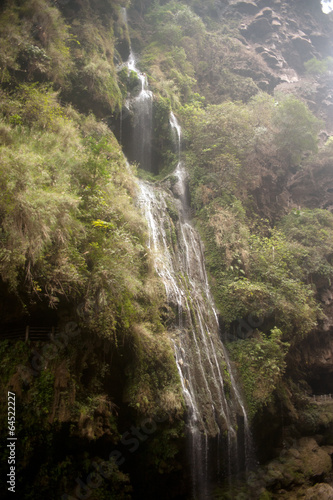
245	6
271	60
315	461
321	42
303	46
320	490
267	12
259	28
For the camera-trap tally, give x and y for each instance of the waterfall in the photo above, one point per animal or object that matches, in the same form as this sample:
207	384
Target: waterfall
209	388
214	405
177	132
141	110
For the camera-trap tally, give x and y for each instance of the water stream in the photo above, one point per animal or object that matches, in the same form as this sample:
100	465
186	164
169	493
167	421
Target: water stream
214	405
140	107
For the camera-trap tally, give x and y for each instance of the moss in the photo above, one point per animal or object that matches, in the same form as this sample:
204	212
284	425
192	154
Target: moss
43	391
11	357
153	386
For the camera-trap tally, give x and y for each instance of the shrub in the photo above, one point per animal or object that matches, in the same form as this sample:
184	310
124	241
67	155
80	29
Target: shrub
318	67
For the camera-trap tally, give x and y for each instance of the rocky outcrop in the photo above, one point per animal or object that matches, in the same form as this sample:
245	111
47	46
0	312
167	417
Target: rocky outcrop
245	6
304	458
297	467
320	490
284	34
314	357
312	188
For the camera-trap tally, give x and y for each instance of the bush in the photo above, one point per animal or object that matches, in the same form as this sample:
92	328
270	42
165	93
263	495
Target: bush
316	67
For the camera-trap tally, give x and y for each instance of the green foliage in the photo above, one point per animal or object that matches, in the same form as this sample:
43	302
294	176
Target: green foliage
94	77
37	45
318	67
219	136
231	145
153	386
297	129
168	55
71	233
183	54
261	362
35	40
11	358
310	234
259	275
43	391
69	227
40	228
266	273
34	104
164	447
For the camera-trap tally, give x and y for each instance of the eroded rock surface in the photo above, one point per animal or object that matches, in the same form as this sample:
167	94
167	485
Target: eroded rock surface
285	35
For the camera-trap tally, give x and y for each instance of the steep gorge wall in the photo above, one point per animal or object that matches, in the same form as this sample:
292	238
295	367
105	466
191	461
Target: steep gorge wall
266	46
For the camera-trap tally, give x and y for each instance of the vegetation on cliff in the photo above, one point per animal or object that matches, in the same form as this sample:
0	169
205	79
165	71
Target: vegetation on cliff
73	252
73	245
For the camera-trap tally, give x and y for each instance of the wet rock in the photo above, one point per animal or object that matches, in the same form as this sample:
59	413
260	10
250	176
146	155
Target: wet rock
264	85
274	473
123	47
265	3
296	465
328	449
294	453
62	376
289	76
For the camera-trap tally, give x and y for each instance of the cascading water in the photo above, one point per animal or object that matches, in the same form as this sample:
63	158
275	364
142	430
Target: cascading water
140	108
214	406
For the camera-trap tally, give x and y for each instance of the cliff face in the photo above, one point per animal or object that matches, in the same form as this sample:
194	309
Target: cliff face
285	36
71	234
280	38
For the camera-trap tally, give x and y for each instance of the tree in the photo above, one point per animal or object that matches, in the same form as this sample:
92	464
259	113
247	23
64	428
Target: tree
296	130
